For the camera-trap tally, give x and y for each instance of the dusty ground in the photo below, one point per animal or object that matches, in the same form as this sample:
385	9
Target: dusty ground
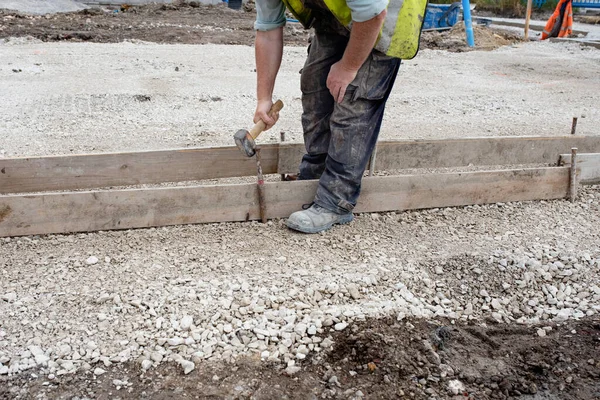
85	97
517	286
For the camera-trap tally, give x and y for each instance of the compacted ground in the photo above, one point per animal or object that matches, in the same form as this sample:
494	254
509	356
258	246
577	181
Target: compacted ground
480	302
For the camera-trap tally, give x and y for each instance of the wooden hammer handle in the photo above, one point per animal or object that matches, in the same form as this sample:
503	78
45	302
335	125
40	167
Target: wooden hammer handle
260	125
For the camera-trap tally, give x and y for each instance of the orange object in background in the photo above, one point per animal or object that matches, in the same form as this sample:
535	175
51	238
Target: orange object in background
560	23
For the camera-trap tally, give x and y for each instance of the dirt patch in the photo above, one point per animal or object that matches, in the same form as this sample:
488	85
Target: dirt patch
188	23
192	23
429	359
382	359
455	39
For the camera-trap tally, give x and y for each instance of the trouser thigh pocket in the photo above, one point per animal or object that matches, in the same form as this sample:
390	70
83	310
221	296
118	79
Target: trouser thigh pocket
380	73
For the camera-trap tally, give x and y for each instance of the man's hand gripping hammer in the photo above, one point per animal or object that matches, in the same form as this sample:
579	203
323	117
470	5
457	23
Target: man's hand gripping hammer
245	139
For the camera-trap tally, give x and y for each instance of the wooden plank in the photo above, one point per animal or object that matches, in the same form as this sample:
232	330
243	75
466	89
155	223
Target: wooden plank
444	153
37	174
411	192
588	164
123	209
139	208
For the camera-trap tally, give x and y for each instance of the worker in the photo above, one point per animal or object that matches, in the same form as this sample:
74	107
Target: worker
352	63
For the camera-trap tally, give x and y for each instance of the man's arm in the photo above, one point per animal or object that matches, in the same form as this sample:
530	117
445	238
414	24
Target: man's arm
362	39
268	52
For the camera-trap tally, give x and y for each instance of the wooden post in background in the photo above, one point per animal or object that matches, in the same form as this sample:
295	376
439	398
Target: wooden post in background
528	18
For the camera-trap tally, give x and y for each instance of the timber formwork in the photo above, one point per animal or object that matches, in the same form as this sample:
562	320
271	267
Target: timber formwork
62	194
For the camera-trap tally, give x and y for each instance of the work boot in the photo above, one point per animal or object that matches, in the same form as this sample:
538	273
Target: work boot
316	219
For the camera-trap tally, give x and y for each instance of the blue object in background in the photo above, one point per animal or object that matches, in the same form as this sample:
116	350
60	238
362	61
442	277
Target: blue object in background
439	16
466	5
445	16
234	4
586	3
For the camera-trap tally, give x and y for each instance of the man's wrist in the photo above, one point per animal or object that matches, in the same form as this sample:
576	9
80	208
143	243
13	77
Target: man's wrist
349	66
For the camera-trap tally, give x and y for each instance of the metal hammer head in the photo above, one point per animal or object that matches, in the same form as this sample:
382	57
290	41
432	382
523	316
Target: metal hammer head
245	142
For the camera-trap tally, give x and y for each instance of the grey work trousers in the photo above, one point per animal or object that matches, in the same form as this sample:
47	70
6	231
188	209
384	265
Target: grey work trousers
340	137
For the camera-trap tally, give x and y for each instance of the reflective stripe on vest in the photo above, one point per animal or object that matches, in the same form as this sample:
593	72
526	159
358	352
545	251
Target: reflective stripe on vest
401	31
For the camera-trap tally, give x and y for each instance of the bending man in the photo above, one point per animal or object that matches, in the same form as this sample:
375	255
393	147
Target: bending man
352	64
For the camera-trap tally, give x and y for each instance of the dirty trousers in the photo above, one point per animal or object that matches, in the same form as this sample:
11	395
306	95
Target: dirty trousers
340	138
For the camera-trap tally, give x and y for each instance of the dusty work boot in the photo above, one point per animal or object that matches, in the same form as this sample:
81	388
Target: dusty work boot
316	219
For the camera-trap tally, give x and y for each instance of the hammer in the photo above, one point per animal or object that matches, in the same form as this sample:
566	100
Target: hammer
245	139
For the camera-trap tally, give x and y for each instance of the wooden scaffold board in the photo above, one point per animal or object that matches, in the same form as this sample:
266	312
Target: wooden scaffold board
71	172
140	208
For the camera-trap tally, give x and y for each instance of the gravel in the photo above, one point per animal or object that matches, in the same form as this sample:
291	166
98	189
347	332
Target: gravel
219	292
159	294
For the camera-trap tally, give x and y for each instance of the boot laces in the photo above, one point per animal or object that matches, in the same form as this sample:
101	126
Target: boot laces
312	205
307	206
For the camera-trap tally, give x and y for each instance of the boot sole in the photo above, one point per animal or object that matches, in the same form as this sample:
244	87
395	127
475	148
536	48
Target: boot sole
345	219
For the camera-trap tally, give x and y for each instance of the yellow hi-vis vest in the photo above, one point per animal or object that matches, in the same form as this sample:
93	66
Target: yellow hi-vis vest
401	31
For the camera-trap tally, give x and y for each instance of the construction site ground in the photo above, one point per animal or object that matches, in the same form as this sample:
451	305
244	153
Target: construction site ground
480	302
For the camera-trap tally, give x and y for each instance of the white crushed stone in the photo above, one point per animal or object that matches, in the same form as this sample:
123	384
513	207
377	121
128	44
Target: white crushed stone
92	260
188	366
456	387
541	332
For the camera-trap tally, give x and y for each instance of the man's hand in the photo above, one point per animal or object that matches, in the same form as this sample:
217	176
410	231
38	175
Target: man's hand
338	80
262	113
362	39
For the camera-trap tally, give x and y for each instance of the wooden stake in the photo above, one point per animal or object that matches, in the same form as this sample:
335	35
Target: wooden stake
261	190
282	138
574	125
573	175
528	18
